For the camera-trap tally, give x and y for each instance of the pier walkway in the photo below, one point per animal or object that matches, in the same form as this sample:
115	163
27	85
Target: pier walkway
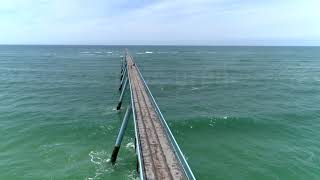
159	156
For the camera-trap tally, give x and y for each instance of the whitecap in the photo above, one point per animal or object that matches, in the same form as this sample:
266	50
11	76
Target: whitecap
133	175
100	161
130	145
94	158
148	52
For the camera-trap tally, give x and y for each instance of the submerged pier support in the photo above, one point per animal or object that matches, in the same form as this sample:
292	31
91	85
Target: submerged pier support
122	65
120	135
124	73
122	79
122	94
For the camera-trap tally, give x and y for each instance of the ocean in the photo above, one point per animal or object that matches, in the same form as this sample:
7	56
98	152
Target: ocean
241	113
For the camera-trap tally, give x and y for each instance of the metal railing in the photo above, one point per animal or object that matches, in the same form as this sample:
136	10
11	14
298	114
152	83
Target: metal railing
138	147
174	143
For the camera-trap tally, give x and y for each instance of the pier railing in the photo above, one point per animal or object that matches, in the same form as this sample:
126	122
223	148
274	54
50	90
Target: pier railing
153	107
173	141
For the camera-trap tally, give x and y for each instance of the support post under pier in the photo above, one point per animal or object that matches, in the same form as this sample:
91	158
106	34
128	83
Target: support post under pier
124	64
122	93
122	79
120	135
124	73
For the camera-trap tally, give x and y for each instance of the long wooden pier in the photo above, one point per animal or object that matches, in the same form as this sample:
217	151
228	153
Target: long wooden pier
159	156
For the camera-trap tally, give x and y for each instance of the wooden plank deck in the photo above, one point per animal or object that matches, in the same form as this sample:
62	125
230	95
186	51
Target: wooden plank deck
158	156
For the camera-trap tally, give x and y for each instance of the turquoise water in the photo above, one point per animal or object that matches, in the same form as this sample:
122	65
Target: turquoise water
237	112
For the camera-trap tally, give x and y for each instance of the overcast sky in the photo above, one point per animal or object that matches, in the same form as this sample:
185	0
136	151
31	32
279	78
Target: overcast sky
173	22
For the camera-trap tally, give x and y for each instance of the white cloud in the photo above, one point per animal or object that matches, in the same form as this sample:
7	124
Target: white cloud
175	22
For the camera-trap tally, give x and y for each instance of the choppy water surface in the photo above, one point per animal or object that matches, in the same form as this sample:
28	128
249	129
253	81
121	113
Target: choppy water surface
237	112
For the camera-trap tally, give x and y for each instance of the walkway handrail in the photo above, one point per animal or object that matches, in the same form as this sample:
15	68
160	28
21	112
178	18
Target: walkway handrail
138	147
176	147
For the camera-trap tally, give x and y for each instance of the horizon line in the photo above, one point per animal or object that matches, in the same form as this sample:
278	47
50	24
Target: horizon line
204	45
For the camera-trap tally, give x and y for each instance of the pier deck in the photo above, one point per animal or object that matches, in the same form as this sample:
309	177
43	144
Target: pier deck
158	153
159	158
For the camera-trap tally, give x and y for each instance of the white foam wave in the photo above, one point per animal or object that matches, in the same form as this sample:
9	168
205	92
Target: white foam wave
100	162
133	175
130	145
148	52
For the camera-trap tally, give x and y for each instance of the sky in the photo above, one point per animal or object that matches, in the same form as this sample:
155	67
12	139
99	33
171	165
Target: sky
160	22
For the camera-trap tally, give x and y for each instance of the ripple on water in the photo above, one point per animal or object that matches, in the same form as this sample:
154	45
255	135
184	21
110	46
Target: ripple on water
101	162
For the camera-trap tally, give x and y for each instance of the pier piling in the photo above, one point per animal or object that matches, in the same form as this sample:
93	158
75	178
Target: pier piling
122	79
120	135
158	154
122	94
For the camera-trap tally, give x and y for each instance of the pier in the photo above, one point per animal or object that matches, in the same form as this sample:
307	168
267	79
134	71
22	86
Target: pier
158	154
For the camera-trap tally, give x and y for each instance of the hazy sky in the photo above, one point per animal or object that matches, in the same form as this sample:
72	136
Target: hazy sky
194	22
